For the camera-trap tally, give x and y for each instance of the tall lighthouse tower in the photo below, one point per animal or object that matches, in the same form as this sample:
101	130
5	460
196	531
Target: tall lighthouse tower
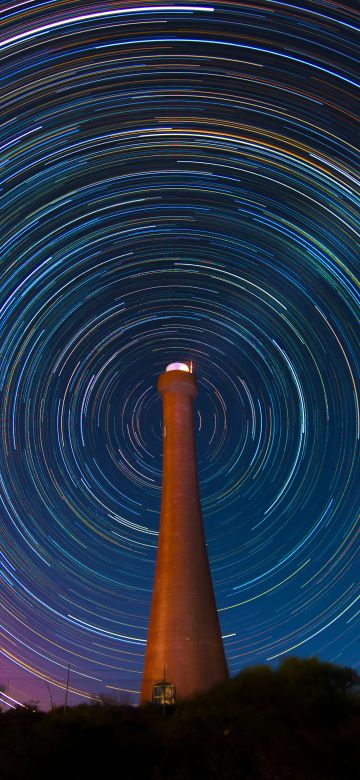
184	641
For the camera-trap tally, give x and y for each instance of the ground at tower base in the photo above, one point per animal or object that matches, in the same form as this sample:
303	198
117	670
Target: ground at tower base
298	722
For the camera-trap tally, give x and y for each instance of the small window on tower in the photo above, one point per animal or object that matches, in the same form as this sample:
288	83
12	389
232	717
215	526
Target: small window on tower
163	693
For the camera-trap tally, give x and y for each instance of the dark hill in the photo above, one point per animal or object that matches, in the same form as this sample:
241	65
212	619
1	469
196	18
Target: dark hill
299	722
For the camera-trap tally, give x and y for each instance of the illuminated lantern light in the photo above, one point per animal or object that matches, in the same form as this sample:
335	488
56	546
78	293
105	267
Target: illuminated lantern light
178	367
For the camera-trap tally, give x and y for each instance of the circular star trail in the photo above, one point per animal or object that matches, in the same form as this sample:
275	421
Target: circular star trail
178	182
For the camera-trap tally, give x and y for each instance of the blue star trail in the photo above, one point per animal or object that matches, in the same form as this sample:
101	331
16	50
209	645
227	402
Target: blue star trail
177	182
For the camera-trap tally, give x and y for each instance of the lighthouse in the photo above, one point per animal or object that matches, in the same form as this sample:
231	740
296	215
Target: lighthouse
184	650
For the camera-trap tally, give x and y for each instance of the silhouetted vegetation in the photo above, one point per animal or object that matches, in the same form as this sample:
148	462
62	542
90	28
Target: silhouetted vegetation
298	722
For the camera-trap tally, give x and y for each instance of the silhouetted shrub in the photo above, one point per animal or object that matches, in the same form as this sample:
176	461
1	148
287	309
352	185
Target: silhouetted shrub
298	722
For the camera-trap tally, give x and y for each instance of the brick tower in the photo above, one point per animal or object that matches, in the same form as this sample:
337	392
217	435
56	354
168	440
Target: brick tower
184	640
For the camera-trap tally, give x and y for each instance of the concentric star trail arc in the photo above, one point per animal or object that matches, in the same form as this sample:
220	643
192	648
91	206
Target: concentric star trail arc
178	182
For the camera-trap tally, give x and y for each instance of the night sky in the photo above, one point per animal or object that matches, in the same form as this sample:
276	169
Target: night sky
178	182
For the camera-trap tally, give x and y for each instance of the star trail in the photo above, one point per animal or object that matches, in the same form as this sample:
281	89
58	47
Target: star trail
178	182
